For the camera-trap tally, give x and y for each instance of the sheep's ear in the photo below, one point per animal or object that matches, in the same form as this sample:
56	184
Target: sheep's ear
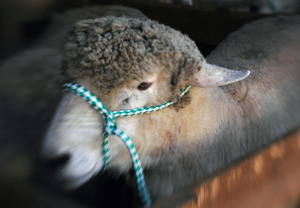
211	75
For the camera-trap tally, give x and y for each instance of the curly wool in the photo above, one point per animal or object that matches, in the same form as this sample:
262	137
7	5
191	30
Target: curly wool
112	50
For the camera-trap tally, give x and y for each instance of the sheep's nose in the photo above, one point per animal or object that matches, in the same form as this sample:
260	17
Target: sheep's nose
50	168
72	144
56	163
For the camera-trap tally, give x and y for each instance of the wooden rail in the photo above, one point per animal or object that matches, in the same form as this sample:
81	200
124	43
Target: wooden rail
271	178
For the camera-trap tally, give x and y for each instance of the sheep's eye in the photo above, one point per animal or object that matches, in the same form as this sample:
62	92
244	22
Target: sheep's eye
144	85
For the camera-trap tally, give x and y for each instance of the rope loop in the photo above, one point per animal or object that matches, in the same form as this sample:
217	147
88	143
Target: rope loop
111	128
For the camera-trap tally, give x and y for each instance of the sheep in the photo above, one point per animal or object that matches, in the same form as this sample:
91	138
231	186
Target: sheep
131	63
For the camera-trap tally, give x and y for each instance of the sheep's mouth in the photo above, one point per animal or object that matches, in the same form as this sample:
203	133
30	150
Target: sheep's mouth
58	173
69	182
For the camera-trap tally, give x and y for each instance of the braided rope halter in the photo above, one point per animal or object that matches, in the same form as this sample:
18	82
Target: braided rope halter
112	129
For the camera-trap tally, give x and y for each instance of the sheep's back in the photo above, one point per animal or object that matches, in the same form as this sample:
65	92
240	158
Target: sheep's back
269	97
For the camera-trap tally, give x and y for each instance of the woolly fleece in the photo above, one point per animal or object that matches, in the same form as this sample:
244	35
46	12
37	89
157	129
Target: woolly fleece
113	50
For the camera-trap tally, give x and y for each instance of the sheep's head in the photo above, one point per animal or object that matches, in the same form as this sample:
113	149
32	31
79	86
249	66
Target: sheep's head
116	54
126	63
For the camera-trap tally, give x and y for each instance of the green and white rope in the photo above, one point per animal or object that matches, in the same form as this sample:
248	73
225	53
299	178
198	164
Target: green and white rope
138	111
112	129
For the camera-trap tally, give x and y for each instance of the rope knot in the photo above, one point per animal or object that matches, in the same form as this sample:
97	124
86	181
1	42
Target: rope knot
110	127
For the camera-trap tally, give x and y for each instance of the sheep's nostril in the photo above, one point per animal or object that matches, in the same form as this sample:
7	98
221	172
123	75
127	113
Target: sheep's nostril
57	162
50	167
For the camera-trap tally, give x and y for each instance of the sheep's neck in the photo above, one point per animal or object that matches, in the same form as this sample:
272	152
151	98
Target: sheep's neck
199	121
209	112
180	141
